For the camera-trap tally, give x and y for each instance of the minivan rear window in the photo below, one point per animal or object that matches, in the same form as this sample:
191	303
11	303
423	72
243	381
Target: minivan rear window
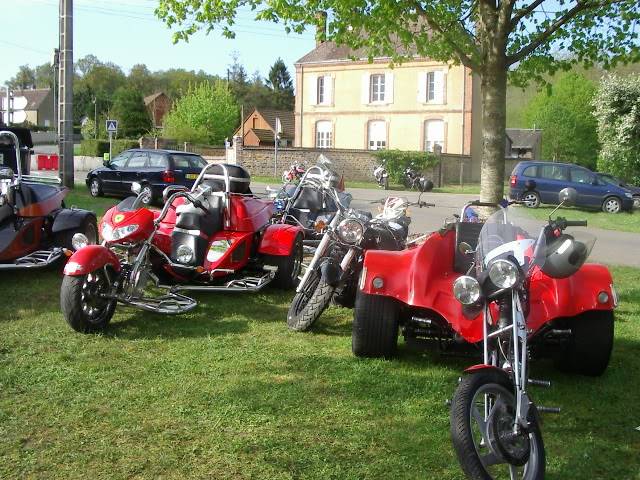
530	171
188	161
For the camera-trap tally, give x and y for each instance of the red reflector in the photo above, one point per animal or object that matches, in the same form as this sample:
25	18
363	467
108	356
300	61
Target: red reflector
168	177
513	180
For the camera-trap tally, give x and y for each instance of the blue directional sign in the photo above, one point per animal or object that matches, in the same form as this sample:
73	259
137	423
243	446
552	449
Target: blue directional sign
112	126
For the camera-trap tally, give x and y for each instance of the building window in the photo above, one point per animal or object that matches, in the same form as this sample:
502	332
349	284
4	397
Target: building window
321	90
431	87
324	134
433	134
376	88
377	135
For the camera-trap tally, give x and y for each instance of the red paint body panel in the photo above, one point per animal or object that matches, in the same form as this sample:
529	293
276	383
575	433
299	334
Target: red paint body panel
89	259
278	239
142	217
248	214
241	243
423	277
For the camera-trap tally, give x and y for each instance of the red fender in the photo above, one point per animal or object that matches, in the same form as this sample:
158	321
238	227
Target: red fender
89	259
278	239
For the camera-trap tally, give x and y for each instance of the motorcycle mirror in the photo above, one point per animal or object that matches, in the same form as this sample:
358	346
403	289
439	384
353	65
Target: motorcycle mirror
465	249
568	196
136	188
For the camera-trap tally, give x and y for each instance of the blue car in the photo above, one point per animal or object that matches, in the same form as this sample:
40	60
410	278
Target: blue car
540	182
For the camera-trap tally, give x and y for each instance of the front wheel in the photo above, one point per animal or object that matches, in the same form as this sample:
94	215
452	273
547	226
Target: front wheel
308	304
82	302
482	416
611	205
95	187
386	183
375	326
146	195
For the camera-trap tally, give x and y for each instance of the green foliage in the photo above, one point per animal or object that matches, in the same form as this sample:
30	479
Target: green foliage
24	79
565	115
94	148
397	161
88	130
617	106
122	144
131	113
281	85
207	114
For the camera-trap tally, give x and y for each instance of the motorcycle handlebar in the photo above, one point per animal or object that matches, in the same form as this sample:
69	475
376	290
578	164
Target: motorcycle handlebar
575	223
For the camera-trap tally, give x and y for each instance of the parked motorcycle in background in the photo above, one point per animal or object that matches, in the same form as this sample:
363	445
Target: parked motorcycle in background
381	175
413	179
494	422
294	174
335	268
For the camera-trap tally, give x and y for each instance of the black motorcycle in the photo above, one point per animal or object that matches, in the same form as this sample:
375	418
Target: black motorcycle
335	268
381	175
413	179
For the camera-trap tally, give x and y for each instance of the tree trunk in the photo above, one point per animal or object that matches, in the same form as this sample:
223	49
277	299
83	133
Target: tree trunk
494	120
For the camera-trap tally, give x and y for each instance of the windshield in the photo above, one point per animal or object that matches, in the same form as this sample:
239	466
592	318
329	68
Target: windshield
610	179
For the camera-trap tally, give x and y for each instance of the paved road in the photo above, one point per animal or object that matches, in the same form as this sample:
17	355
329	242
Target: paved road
612	247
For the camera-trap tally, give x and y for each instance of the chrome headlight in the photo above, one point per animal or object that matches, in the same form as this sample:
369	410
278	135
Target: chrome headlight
503	273
184	254
79	240
466	289
107	232
111	234
628	194
350	231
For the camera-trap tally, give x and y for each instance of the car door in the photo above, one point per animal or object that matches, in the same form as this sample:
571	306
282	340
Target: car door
551	179
133	171
111	176
589	193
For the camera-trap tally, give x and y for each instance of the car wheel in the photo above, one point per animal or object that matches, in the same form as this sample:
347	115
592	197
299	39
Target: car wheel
95	187
636	201
146	194
611	205
531	199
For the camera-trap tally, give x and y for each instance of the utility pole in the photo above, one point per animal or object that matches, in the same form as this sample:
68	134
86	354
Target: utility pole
55	63
65	94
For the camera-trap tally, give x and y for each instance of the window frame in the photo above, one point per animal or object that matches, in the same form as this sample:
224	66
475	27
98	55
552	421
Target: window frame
380	80
561	168
321	90
442	142
135	155
377	143
324	138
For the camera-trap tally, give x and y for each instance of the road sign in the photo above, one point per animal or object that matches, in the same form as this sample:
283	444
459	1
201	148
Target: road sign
112	126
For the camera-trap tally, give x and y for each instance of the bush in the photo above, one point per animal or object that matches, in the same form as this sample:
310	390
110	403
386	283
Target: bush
123	144
97	148
397	161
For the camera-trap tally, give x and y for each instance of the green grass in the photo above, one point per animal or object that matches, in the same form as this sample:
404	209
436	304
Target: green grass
624	221
227	392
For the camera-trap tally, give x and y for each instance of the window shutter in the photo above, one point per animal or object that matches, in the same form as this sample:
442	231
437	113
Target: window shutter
439	89
422	87
444	87
328	90
313	89
388	87
365	88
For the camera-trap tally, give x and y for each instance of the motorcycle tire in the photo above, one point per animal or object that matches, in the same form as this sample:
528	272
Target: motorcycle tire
386	183
375	326
471	387
308	304
589	350
289	266
78	311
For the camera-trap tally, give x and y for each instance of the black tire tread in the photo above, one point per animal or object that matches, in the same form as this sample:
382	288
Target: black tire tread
283	278
72	310
320	299
375	326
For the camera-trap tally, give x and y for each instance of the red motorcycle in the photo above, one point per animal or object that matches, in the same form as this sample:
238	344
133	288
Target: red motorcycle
569	319
216	237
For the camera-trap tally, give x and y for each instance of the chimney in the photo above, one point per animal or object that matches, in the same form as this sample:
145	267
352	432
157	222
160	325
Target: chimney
321	27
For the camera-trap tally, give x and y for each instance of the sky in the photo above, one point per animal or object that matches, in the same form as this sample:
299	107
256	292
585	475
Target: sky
126	32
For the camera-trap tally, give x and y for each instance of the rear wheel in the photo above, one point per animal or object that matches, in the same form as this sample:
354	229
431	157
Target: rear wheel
386	183
482	416
531	199
611	205
95	187
289	266
636	201
375	326
589	350
146	195
308	304
82	302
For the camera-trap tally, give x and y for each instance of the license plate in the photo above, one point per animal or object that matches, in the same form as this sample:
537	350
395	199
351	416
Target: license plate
192	176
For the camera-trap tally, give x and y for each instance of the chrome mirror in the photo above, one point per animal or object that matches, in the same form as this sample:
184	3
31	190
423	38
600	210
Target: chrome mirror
465	249
136	188
568	196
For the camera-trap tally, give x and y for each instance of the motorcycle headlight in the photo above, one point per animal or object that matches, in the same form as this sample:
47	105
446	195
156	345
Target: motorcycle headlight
466	289
111	234
79	240
184	254
107	232
503	273
350	231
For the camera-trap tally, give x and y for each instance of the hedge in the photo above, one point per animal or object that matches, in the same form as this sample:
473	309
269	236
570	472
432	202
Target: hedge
396	161
97	148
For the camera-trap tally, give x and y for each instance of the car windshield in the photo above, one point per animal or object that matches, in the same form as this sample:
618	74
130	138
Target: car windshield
188	161
610	179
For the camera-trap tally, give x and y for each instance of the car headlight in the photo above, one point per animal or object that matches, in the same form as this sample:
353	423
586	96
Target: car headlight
503	273
184	254
350	231
628	194
466	289
79	240
111	234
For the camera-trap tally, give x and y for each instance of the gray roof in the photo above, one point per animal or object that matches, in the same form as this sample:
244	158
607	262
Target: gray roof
286	120
524	137
330	52
34	97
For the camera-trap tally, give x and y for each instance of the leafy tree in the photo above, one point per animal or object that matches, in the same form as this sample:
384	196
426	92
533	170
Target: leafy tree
207	114
85	64
565	115
617	105
25	78
44	75
88	130
494	38
131	113
280	83
141	79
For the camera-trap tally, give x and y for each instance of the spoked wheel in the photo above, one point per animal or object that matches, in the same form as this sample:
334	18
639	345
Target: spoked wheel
482	417
146	195
611	205
83	304
95	187
309	303
531	199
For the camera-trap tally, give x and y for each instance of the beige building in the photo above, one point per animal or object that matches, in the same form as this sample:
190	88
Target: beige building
354	104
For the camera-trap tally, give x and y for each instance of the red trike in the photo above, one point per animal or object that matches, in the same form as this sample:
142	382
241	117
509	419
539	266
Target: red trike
569	319
216	237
